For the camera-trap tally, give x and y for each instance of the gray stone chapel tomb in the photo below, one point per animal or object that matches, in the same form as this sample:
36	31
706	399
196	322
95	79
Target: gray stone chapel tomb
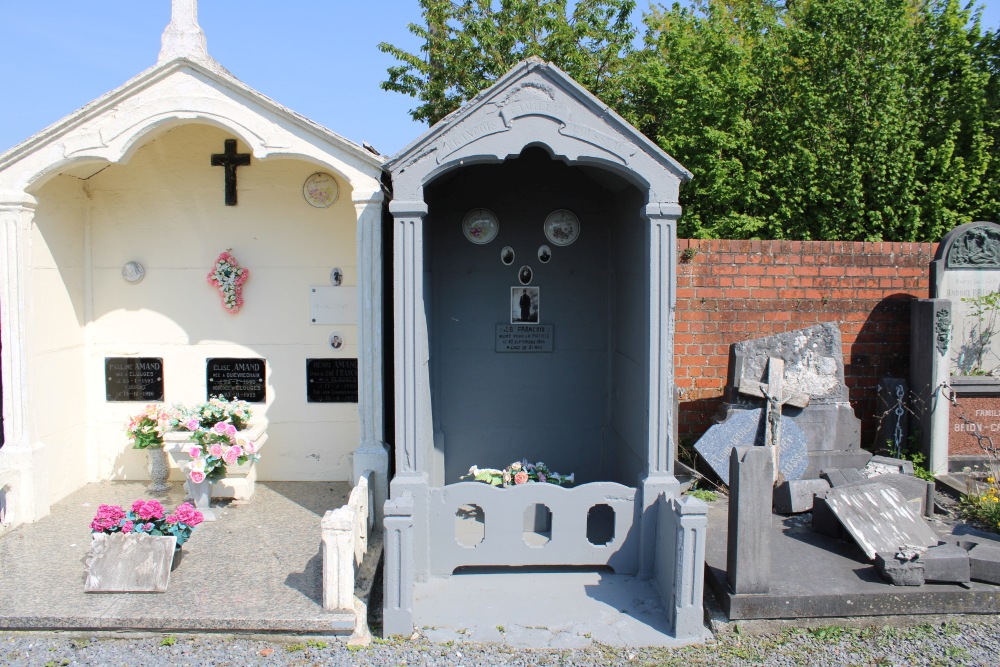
533	312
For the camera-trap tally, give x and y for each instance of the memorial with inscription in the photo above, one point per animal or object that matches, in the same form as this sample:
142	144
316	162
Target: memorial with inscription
133	378
955	355
332	380
237	379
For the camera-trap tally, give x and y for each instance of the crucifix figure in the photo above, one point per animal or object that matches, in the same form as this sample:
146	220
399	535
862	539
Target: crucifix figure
230	159
774	398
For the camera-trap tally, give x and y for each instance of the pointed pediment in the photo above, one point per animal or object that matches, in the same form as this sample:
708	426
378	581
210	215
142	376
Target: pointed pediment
112	127
534	104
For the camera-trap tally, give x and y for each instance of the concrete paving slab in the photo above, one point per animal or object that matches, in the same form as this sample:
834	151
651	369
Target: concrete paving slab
256	569
518	608
815	576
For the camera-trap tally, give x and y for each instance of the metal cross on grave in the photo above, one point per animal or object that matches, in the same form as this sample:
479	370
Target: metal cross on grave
230	159
774	399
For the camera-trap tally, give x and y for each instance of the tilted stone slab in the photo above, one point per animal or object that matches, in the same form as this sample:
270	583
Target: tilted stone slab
744	429
881	465
879	519
133	563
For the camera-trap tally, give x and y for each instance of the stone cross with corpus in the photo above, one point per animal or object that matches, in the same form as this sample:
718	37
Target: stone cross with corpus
230	160
774	398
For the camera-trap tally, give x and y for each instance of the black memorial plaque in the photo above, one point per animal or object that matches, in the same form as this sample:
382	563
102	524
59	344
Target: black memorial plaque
332	380
237	379
133	378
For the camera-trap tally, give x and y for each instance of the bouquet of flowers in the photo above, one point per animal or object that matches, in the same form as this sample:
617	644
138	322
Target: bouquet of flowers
146	429
147	516
519	472
215	410
215	448
229	276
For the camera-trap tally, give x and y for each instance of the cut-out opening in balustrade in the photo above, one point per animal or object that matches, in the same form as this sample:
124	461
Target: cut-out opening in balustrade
470	525
537	525
601	525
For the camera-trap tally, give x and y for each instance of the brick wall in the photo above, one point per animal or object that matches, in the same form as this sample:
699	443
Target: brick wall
730	291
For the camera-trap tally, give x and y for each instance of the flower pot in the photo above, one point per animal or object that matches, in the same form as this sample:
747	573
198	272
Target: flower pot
129	563
159	469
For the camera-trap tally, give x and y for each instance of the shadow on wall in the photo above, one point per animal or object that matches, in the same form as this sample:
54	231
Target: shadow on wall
880	349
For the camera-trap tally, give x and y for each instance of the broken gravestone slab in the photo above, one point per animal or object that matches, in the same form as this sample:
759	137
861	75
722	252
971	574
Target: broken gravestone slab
878	519
129	563
984	563
745	429
813	366
900	570
946	563
798	495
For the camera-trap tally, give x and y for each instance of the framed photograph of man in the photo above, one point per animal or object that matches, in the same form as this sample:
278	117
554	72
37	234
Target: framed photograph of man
524	305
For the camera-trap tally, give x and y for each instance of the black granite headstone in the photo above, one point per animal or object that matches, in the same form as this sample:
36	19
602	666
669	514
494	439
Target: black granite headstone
133	378
242	379
332	380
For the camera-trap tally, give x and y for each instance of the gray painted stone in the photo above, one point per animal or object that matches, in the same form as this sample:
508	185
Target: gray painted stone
879	518
919	492
680	554
930	339
797	495
946	562
899	572
133	563
748	563
984	563
744	429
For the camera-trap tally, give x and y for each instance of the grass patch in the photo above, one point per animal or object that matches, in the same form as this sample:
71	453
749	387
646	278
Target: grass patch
704	494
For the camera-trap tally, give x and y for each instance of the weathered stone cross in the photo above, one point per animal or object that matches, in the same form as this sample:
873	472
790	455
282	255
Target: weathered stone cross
230	160
775	398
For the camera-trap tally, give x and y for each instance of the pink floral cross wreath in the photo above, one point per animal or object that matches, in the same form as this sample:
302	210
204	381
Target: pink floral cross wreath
229	277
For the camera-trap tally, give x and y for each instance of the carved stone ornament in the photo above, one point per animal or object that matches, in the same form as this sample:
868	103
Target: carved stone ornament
942	331
978	247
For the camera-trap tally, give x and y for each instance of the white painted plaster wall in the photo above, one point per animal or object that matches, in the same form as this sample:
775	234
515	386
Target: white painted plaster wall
57	405
165	209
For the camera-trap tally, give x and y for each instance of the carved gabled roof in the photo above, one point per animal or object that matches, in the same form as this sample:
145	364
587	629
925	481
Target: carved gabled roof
536	103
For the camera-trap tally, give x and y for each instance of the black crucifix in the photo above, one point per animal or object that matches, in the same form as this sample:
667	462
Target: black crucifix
774	398
230	160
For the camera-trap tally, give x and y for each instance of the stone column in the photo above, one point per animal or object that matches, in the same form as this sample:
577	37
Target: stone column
748	551
372	453
688	610
930	341
23	473
410	344
397	606
659	478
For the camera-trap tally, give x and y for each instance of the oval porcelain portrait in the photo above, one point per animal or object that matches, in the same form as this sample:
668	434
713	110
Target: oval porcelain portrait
320	190
562	227
480	226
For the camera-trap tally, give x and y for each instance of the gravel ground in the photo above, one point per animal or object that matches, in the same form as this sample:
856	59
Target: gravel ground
968	641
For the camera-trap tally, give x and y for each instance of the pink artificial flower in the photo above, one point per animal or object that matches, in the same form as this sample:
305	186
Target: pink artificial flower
195	452
127	527
521	477
147	510
230	430
192	424
220	428
196	476
108	518
541	477
215	450
187	514
230	455
237	449
251	448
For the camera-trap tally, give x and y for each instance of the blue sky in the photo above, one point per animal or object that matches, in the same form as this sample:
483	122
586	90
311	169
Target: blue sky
317	58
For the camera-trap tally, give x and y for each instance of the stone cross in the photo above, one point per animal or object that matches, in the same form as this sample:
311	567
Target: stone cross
774	398
183	37
230	159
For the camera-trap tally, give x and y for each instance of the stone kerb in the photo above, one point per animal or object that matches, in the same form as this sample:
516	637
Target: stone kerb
345	542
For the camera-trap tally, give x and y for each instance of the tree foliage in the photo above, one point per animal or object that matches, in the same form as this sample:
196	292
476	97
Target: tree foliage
814	119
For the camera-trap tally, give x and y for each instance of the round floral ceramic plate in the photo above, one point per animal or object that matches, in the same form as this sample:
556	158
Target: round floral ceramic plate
562	227
320	190
480	225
